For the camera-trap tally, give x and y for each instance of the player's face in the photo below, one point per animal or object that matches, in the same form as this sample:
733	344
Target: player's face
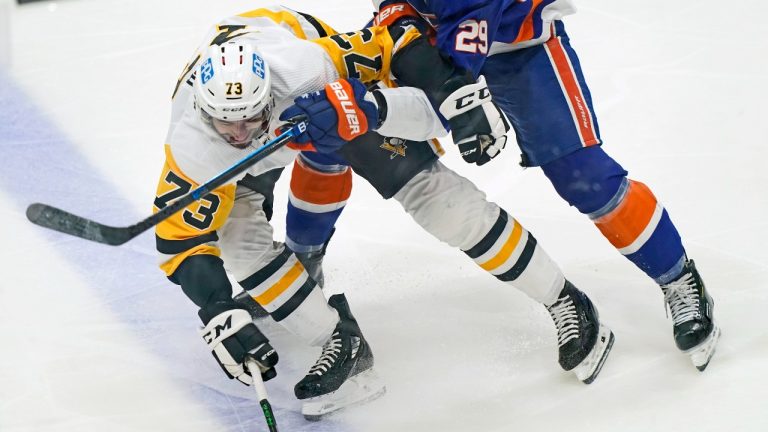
241	133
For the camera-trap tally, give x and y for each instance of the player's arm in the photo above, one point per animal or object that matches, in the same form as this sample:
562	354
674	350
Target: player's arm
467	28
448	75
190	258
346	109
302	25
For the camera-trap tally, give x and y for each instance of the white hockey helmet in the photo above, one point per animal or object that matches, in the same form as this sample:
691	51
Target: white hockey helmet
233	92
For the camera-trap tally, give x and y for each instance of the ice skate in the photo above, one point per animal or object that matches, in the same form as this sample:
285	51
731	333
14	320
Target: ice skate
584	343
343	375
694	328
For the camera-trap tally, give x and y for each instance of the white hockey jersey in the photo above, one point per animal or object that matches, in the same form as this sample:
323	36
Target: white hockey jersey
300	60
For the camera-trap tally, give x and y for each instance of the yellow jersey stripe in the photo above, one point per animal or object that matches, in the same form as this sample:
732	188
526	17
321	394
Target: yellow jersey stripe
170	266
278	17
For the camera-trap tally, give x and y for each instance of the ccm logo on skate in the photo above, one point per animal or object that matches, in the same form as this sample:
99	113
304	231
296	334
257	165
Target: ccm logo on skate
475	98
348	107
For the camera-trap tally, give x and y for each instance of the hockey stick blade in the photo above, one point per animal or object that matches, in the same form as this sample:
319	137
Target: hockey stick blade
62	221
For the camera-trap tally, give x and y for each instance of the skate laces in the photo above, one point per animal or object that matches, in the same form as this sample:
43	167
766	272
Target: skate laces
566	320
331	351
682	298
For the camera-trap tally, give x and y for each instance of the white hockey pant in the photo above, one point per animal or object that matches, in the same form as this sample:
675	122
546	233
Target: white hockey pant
452	209
272	274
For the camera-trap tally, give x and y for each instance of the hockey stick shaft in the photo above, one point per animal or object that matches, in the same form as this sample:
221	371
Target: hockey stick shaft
59	220
261	393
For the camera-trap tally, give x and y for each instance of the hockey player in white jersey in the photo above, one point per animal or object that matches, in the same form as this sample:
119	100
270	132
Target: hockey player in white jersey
247	67
253	66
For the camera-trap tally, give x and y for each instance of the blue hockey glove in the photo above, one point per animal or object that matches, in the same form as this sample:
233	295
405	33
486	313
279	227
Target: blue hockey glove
335	115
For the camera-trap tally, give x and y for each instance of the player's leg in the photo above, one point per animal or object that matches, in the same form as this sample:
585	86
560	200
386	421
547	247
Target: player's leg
274	277
631	218
547	99
453	210
320	187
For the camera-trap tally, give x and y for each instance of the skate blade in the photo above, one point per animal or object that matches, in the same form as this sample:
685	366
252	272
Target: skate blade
702	354
363	387
590	367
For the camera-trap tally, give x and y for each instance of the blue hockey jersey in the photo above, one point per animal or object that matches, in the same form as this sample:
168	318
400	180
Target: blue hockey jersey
470	30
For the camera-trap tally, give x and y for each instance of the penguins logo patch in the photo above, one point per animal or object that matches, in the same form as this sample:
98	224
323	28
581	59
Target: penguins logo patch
394	145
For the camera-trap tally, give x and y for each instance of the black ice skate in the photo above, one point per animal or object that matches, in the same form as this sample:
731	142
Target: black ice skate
343	375
694	328
584	343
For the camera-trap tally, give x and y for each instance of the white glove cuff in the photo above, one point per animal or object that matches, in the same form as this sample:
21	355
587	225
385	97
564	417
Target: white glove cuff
465	99
224	325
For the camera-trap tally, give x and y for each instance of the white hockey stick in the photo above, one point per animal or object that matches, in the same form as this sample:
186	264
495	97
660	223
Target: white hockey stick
261	393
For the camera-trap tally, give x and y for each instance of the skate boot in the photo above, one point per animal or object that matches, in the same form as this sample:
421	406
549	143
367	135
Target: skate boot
584	343
343	375
694	328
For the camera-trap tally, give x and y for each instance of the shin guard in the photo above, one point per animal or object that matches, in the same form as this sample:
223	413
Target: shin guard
624	210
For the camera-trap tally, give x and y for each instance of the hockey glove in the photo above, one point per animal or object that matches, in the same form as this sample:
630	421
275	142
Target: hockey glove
339	113
400	13
479	128
231	336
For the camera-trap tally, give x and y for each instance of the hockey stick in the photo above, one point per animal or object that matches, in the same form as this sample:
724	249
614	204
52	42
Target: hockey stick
261	393
62	221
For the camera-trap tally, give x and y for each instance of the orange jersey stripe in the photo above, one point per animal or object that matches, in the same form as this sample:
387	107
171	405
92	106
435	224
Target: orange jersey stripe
312	186
286	281
582	116
627	221
506	250
526	29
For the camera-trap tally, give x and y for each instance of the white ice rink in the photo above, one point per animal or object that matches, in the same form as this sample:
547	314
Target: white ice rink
94	338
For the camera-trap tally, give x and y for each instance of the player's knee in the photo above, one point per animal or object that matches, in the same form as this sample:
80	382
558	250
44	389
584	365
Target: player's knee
324	162
587	179
448	206
320	188
320	184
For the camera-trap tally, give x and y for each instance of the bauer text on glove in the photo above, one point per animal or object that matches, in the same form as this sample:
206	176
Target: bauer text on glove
339	113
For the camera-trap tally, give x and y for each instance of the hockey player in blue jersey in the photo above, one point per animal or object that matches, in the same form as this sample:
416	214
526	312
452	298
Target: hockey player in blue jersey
518	53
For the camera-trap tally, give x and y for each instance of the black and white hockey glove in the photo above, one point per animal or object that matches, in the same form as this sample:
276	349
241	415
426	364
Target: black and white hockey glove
478	126
231	336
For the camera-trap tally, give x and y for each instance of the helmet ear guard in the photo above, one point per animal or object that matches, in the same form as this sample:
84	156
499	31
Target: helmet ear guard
233	85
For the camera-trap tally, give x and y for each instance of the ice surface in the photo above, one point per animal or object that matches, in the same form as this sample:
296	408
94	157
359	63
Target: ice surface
95	338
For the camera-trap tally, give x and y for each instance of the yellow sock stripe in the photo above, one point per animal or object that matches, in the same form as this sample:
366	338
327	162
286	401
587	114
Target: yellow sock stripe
506	250
278	288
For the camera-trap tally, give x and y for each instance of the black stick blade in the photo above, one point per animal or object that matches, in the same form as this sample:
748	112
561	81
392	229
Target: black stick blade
62	221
